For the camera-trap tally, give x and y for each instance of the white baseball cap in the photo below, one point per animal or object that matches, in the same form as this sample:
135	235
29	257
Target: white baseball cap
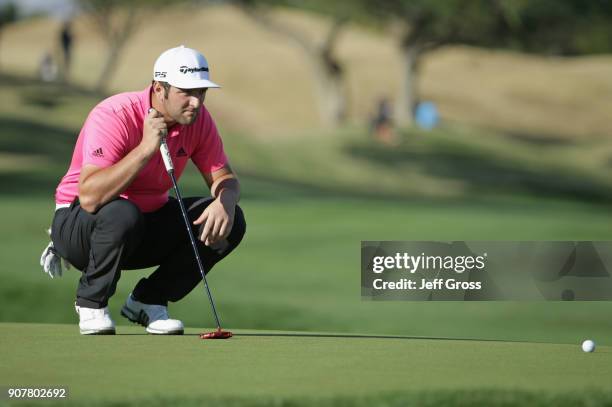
184	68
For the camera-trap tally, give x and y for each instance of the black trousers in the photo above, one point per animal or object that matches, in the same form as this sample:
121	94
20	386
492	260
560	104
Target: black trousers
119	237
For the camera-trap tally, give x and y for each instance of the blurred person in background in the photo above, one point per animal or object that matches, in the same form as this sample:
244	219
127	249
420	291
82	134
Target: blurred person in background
47	69
382	123
66	39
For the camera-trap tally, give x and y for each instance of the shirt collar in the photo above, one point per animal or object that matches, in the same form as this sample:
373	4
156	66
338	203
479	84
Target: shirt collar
145	96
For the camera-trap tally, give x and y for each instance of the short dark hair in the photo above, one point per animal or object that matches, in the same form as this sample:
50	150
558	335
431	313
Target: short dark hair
164	85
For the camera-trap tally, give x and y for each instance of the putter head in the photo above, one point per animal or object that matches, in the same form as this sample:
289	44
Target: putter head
218	334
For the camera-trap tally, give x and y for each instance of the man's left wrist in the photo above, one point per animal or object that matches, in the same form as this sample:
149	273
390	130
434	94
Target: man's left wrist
228	196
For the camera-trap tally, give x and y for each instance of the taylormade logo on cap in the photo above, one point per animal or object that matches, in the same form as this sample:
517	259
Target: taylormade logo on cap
183	67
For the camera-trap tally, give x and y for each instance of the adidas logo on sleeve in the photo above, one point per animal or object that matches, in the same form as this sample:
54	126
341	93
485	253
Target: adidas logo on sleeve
98	152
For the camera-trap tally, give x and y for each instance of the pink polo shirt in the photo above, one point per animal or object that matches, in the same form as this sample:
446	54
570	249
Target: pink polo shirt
114	128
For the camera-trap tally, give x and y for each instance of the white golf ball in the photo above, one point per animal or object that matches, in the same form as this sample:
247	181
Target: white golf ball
588	346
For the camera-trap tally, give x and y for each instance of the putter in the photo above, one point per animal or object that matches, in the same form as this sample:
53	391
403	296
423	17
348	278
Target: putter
219	333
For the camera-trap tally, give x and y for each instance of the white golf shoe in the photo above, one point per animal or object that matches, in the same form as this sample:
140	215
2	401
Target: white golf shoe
154	317
94	321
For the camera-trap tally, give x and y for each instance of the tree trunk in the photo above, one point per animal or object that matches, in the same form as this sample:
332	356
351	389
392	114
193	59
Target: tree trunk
1	27
330	87
117	36
408	91
329	90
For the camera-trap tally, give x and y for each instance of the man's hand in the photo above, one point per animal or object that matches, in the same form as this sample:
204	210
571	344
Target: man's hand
218	217
51	262
218	220
154	130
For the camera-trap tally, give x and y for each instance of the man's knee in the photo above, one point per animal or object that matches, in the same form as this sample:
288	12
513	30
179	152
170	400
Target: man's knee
196	205
239	228
121	218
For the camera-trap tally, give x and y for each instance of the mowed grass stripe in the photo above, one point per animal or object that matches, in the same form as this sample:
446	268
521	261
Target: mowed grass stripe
137	366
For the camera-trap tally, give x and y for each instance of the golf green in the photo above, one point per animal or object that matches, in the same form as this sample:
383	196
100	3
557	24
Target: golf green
254	365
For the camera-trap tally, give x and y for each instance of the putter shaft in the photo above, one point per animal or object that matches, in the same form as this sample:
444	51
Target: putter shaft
170	169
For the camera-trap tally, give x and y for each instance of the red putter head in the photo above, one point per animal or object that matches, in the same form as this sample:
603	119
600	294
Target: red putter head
218	334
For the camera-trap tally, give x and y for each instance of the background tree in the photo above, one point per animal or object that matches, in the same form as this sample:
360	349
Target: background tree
564	27
117	21
561	27
421	26
328	72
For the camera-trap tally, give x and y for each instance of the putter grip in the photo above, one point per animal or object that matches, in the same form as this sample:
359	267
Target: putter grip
165	153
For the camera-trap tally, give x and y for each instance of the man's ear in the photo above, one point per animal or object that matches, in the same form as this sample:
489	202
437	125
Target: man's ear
158	90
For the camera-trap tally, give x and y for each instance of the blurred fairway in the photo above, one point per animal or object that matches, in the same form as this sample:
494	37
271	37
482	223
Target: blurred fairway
300	369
